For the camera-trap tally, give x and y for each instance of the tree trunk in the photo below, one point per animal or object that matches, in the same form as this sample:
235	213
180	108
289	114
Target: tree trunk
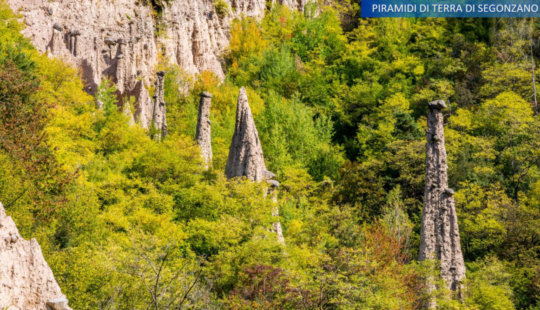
533	80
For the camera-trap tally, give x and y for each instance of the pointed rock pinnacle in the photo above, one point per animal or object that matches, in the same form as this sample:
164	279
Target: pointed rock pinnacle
246	156
245	153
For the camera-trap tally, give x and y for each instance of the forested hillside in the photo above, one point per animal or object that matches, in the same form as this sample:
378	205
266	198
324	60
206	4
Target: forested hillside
340	103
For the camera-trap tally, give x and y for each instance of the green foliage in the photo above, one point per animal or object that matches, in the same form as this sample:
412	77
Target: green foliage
392	121
106	98
23	139
291	134
318	36
489	285
482	222
221	7
339	102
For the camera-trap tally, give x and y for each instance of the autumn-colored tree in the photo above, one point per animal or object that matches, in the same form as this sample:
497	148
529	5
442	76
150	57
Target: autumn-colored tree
22	137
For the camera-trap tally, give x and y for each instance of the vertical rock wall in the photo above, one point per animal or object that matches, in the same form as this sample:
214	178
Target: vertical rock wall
440	234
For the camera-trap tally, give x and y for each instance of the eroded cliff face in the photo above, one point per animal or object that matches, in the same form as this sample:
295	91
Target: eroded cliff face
295	4
26	281
125	40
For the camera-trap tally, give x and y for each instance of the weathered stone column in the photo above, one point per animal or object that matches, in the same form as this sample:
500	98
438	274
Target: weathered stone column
439	236
202	136
121	46
164	128
110	41
57	44
273	193
246	156
74	38
121	66
159	118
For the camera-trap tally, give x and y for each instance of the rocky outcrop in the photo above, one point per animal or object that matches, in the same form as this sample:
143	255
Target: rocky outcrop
26	281
273	193
439	236
245	153
122	39
159	116
296	4
127	110
246	156
203	133
57	304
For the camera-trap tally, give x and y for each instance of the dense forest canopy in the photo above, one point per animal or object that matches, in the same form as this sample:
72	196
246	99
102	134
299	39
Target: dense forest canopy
128	222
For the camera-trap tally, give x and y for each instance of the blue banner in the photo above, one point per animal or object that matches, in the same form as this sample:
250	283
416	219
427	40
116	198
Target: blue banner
449	8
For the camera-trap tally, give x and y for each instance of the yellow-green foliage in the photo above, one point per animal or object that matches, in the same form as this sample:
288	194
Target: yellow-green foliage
382	125
483	214
489	286
221	7
339	103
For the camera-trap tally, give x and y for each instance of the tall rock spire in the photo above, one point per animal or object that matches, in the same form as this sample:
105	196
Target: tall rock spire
159	116
246	156
245	153
202	136
439	236
121	66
